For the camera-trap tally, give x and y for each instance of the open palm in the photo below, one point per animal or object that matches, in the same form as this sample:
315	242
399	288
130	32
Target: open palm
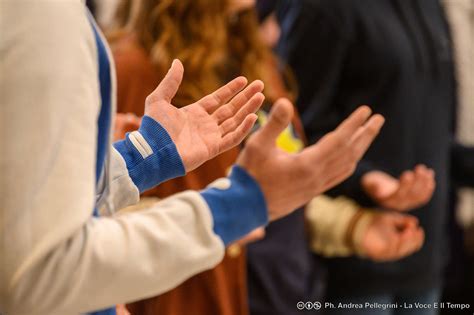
413	189
212	125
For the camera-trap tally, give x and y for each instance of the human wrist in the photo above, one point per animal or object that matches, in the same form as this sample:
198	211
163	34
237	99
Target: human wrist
150	155
237	204
358	228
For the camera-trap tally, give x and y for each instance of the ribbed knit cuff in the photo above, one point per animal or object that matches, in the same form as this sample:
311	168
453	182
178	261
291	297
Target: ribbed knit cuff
237	205
150	155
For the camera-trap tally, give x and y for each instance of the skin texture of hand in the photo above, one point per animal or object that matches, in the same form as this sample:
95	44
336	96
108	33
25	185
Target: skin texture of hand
125	123
392	236
412	190
289	181
212	125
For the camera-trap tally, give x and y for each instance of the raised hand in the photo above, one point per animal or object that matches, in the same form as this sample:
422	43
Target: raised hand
392	236
289	181
412	190
210	126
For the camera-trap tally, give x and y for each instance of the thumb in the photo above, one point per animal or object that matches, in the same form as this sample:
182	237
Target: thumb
168	87
280	117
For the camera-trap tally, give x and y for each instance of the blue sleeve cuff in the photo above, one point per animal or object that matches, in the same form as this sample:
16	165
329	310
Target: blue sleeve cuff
239	209
109	311
150	155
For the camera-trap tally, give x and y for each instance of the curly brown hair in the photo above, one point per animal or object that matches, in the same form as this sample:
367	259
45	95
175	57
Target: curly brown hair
213	45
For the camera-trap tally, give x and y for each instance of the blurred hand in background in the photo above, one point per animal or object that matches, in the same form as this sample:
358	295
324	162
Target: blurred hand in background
391	236
413	189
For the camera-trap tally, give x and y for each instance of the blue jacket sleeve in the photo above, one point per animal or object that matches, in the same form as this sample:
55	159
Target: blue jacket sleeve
238	208
150	155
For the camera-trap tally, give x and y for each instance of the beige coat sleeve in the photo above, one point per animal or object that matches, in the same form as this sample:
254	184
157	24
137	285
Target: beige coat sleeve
329	220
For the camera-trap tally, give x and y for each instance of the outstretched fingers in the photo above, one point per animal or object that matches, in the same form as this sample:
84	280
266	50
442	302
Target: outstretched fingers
365	135
352	123
341	149
235	121
222	95
236	136
228	110
338	143
338	148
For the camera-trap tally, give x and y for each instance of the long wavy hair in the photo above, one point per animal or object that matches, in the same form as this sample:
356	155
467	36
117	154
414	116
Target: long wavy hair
213	45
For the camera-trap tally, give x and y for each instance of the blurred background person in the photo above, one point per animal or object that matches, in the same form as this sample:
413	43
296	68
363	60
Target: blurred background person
396	56
335	228
459	276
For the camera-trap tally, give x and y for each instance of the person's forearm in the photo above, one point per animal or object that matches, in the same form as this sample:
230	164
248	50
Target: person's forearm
112	260
237	205
328	221
141	254
336	226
